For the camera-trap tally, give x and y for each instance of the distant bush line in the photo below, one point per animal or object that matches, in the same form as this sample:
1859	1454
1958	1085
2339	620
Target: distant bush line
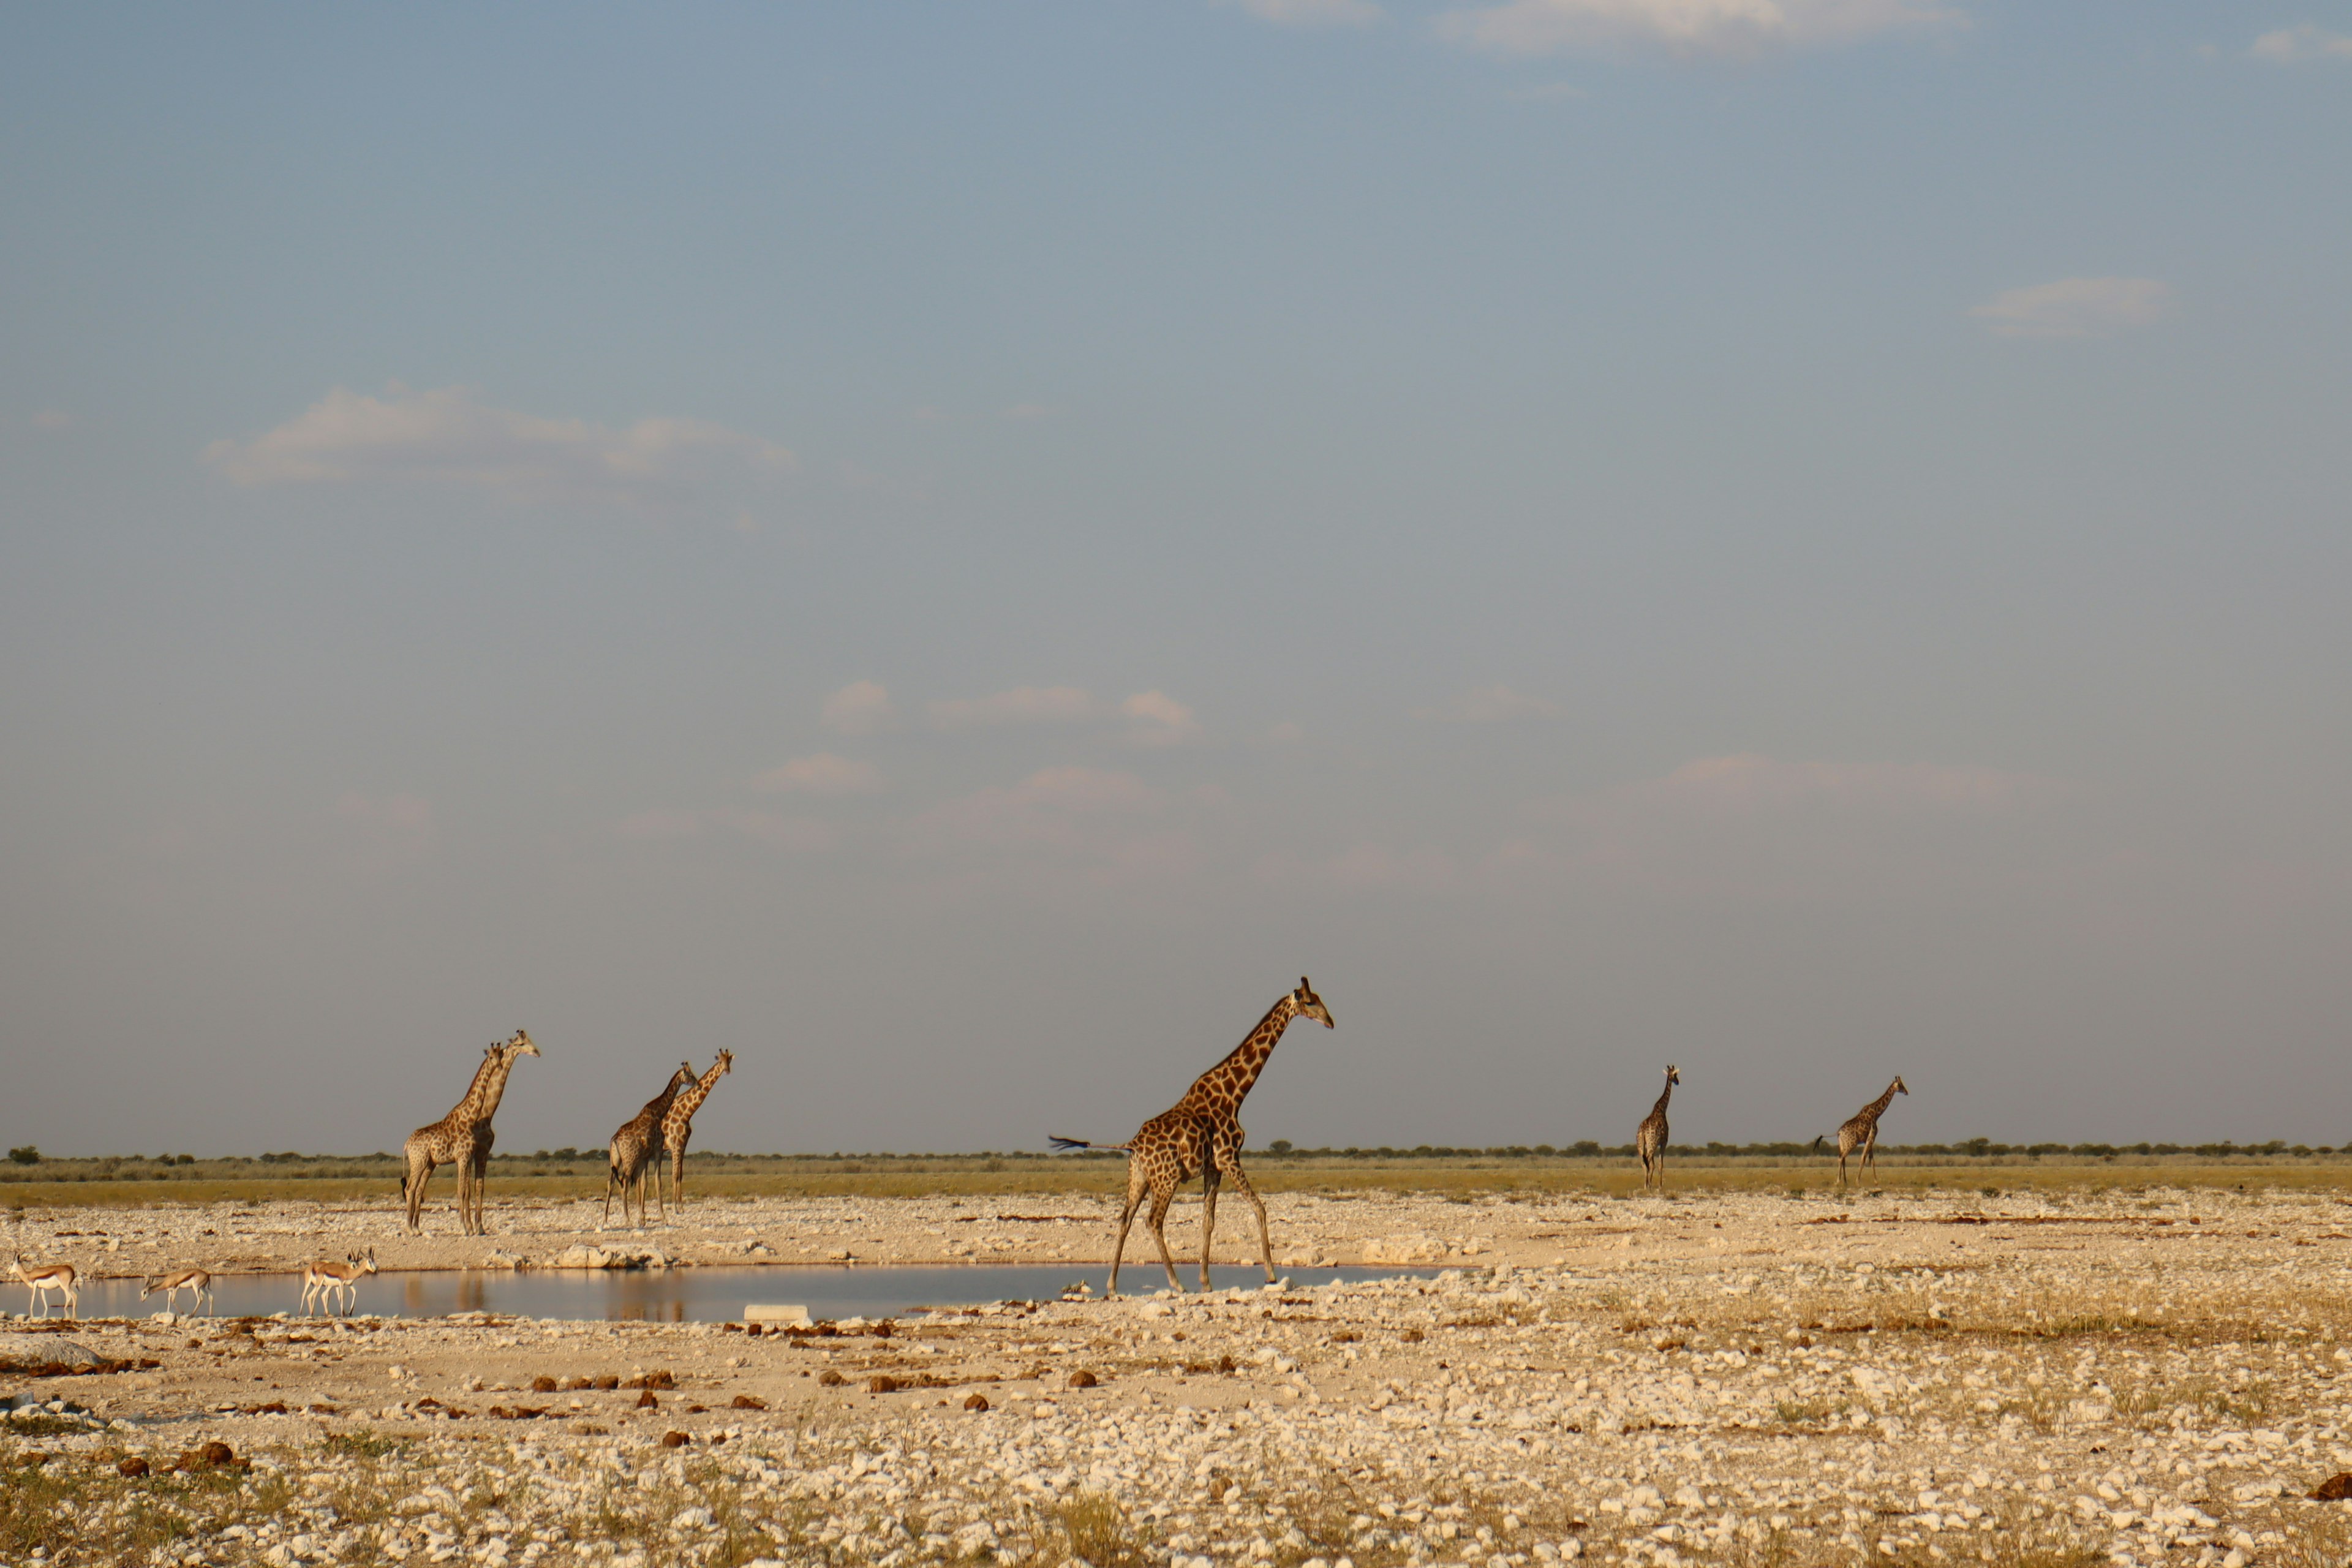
27	1163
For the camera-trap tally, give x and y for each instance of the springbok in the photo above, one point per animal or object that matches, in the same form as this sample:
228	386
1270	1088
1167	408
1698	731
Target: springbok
59	1277
196	1282
327	1281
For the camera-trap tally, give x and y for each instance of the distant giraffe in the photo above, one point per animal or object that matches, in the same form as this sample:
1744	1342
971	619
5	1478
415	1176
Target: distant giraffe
678	1125
196	1282
449	1141
1650	1138
1861	1130
634	1153
1202	1133
61	1277
478	1163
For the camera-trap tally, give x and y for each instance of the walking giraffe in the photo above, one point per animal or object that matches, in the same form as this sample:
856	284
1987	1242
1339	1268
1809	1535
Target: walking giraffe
1861	1130
636	1150
1202	1133
478	1163
1650	1138
677	1124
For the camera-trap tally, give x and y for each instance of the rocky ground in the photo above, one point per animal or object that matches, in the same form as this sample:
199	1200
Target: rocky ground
2145	1375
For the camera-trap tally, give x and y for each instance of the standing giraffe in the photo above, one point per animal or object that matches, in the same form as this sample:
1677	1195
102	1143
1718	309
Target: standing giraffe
449	1141
635	1153
1650	1138
677	1124
1201	1133
477	1161
62	1277
1861	1130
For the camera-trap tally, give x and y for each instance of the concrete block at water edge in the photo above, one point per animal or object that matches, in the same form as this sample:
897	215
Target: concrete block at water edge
769	1313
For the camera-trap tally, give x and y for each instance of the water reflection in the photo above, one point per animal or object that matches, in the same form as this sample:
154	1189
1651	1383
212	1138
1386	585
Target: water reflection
675	1296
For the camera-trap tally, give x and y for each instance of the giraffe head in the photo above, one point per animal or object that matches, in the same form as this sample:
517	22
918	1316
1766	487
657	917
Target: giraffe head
520	1045
726	1063
1898	1085
1674	1073
1309	1005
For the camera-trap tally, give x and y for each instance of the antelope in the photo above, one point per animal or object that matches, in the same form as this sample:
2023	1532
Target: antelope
59	1277
196	1282
330	1281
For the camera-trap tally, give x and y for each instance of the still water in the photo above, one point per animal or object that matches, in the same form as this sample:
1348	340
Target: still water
680	1295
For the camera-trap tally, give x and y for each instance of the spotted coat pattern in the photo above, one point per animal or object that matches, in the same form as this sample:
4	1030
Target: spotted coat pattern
1860	1130
449	1141
635	1153
1202	1135
678	1121
477	1161
1650	1138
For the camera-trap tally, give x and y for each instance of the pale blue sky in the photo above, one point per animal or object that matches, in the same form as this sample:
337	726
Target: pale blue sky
956	549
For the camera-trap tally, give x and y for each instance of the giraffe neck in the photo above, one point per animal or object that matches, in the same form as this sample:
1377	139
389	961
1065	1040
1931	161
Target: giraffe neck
469	1107
1223	1086
689	1100
494	1088
1660	1109
1877	1108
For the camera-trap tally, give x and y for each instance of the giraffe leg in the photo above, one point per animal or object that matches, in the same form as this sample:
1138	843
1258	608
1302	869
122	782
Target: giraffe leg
1161	1197
413	1191
1234	1174
1208	1217
1135	1189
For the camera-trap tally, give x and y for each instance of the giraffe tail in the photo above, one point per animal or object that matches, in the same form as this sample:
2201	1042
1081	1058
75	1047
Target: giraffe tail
1061	1144
1818	1137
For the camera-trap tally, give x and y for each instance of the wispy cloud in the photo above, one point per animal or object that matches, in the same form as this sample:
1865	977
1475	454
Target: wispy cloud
1021	705
1682	27
2077	308
860	708
2302	46
1312	13
822	775
1156	718
1490	705
450	437
52	419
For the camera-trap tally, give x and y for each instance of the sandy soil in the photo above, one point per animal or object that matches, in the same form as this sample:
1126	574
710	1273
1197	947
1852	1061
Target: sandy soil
2149	1376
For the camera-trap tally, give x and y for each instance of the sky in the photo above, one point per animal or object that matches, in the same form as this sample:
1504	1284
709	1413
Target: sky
956	550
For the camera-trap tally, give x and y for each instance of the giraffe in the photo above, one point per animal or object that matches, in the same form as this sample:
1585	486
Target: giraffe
1650	1138
330	1281
62	1277
196	1282
477	1163
1202	1133
445	1142
677	1124
635	1150
1861	1130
